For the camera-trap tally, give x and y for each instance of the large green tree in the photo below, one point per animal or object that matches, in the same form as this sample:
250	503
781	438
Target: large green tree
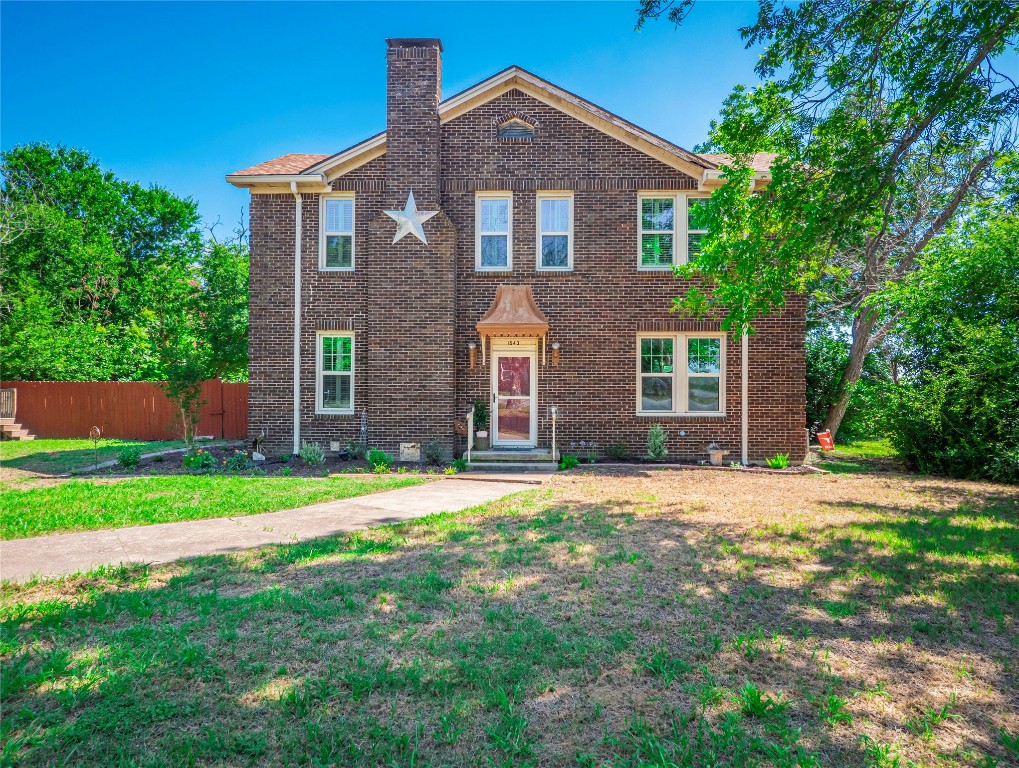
887	119
104	279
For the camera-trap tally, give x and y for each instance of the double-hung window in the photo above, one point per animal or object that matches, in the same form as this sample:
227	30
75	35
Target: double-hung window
334	373
680	374
555	231
696	227
670	229
493	218
337	247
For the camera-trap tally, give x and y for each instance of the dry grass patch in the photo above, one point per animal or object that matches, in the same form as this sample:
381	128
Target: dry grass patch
624	619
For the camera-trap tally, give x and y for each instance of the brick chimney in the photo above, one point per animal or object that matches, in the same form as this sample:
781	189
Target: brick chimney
413	90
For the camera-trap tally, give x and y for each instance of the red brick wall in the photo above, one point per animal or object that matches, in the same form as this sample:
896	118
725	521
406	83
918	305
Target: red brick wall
414	307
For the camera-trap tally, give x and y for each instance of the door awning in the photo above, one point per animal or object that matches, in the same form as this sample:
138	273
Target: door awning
513	313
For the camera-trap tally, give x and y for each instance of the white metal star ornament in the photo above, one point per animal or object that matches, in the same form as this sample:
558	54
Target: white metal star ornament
409	220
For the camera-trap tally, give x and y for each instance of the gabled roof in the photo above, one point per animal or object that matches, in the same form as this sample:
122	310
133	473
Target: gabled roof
326	167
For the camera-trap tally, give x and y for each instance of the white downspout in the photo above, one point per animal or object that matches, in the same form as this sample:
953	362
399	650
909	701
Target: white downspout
297	316
746	398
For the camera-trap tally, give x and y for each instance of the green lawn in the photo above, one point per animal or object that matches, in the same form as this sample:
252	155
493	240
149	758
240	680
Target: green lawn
621	620
83	505
59	456
861	456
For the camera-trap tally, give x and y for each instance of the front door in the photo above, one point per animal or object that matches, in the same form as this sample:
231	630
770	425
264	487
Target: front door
514	388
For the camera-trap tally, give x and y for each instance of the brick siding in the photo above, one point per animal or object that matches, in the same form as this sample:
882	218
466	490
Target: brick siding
413	307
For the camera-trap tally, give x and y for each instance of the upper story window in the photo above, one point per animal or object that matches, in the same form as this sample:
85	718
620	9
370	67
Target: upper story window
515	128
681	374
334	373
555	231
337	242
670	229
493	224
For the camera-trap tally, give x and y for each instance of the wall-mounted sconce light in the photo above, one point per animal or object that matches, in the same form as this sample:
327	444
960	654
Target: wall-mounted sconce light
472	350
555	353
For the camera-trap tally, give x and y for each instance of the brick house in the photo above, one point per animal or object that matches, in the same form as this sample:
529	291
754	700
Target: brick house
512	243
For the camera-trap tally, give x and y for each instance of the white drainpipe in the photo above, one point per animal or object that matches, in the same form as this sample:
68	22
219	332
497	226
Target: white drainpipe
746	399
297	316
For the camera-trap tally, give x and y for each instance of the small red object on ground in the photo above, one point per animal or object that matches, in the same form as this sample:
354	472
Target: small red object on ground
826	441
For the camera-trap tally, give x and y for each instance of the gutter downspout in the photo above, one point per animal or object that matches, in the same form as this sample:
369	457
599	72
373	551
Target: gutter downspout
297	316
745	404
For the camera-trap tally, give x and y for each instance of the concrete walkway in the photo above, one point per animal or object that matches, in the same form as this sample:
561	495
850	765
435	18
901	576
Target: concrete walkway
67	553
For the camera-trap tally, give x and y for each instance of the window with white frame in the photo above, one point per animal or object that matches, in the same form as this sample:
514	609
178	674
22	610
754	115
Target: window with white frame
337	249
493	217
696	226
555	231
334	373
671	226
657	231
680	374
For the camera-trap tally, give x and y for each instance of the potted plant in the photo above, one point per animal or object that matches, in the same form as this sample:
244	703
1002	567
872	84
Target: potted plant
480	425
715	454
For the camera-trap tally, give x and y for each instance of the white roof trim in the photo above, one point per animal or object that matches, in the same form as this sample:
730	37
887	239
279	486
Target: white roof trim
246	180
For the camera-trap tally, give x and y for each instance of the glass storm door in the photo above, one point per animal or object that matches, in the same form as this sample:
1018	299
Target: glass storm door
514	422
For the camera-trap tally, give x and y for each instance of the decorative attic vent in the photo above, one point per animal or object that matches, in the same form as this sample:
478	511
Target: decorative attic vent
514	129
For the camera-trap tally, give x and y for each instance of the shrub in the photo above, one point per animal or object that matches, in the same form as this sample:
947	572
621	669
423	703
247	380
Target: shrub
199	460
356	449
779	461
961	417
460	465
617	451
568	462
378	458
236	462
434	452
312	453
656	443
129	457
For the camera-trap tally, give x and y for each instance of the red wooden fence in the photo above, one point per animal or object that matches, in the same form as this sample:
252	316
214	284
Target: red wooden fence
125	409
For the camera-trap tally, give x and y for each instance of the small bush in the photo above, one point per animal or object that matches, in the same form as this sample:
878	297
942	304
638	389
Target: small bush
657	440
568	462
460	465
378	458
237	462
130	457
779	461
617	451
435	453
199	460
312	453
356	449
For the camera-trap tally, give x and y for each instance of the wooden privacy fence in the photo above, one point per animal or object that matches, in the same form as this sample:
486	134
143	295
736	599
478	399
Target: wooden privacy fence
125	409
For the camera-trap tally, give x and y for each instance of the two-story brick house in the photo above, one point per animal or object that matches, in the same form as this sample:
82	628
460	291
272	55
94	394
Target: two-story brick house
532	269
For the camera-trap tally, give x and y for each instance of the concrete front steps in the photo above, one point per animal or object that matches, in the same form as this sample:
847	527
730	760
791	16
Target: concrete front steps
13	431
513	460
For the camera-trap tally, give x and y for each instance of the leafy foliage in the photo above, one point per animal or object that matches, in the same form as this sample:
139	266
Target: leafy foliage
199	460
957	410
108	280
779	461
129	457
435	453
312	453
657	443
379	460
568	462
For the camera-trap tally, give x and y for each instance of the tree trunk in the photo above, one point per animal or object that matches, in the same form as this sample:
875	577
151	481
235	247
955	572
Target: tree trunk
863	330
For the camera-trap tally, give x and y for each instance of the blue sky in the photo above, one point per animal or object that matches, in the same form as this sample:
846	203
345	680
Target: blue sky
180	94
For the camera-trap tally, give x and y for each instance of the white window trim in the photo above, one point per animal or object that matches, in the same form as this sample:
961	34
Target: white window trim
680	232
557	195
478	197
680	375
323	234
319	409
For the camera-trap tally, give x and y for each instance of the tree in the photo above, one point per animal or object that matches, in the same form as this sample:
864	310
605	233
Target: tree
887	119
104	279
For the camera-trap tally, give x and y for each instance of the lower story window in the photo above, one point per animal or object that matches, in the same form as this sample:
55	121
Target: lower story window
680	373
334	373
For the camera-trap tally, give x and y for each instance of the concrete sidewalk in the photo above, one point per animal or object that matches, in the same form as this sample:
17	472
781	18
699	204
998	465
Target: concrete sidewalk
67	553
